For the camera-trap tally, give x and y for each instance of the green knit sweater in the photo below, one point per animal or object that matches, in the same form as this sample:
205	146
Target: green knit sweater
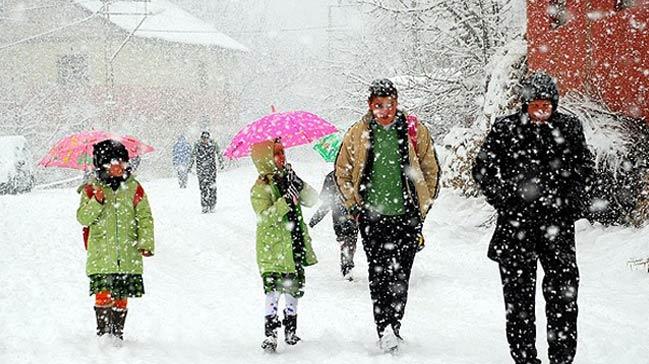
385	193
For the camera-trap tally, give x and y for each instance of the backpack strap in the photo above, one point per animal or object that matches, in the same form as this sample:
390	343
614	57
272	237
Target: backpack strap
412	121
139	195
89	190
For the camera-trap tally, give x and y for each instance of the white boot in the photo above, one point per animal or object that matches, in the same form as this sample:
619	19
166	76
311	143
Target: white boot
389	343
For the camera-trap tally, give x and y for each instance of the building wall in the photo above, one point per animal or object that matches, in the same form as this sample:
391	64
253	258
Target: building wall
600	51
161	89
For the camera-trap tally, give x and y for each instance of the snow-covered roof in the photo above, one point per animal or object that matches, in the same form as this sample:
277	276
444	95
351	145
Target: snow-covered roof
164	20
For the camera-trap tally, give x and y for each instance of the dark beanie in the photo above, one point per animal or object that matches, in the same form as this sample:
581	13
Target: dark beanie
104	152
382	88
539	86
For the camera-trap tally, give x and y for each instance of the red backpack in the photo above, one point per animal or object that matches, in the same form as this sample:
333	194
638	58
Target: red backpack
412	129
90	191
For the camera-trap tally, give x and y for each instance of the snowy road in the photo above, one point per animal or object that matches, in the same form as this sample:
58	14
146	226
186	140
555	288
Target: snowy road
204	301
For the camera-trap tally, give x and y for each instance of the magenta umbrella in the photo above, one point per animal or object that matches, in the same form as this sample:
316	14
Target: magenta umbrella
75	150
293	127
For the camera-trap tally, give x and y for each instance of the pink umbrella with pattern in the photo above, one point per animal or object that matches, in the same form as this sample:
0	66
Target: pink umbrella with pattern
75	150
293	128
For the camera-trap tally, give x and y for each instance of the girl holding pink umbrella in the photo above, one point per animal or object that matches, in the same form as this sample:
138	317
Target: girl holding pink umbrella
283	243
117	220
119	231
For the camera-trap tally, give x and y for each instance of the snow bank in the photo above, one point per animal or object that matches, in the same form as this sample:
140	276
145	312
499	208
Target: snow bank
204	300
13	150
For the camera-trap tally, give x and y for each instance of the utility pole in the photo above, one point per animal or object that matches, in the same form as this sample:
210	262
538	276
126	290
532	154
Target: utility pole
109	77
330	23
110	55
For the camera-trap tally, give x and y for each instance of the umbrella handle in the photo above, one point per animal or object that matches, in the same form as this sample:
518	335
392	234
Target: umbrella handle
272	109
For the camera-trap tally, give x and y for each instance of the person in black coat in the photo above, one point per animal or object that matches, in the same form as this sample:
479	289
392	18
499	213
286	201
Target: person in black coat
346	228
535	169
206	155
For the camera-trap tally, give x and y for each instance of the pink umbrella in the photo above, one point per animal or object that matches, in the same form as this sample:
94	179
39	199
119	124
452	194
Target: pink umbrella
294	128
75	151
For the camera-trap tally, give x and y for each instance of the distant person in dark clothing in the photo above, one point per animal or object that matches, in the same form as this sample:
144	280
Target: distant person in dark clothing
346	228
206	155
535	168
181	158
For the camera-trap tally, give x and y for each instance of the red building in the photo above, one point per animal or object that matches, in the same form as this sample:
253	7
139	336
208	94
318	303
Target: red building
598	47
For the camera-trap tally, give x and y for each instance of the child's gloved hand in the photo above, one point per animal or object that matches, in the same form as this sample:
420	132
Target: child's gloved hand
145	253
292	179
99	194
292	195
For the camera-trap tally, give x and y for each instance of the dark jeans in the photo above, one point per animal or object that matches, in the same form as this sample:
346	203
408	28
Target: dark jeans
390	243
347	251
556	253
182	176
208	192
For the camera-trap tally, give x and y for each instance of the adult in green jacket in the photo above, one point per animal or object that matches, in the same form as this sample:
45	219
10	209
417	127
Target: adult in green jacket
283	242
118	226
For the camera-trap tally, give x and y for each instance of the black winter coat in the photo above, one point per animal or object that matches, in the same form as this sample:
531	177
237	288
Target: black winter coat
206	156
534	174
331	199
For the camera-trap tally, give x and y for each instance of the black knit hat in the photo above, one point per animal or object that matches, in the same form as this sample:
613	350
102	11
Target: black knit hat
382	88
104	152
205	134
539	86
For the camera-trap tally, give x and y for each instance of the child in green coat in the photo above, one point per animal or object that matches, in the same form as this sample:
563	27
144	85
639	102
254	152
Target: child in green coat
283	243
118	232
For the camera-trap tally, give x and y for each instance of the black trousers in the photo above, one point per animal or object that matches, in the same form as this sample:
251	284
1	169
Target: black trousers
347	251
390	244
208	192
555	250
182	176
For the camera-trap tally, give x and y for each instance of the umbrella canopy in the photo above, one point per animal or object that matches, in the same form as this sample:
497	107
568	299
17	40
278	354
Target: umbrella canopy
328	146
75	150
294	128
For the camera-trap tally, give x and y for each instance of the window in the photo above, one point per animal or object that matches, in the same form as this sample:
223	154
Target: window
73	69
623	4
558	13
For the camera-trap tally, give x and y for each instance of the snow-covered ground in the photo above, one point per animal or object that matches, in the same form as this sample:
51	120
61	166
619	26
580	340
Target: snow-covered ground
204	301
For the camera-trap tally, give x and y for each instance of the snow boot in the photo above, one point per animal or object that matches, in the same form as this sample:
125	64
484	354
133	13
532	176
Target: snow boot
103	316
290	327
270	331
119	318
395	328
389	342
347	273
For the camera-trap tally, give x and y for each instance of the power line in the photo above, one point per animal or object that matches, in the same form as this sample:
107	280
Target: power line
288	30
9	45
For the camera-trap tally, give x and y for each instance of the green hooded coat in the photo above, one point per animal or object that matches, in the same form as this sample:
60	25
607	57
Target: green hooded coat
118	229
274	243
